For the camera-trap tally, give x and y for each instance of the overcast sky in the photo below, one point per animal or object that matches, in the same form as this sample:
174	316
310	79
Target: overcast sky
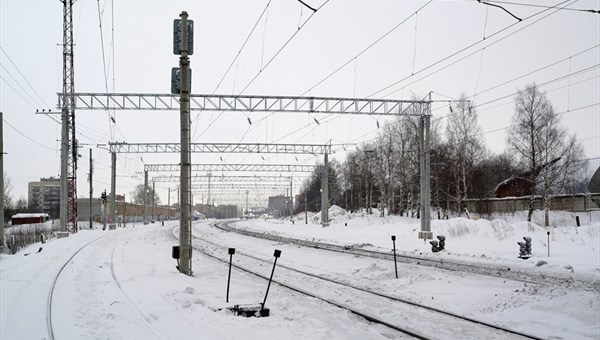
448	47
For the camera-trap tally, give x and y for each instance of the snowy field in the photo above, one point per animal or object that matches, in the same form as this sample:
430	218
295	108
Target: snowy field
123	283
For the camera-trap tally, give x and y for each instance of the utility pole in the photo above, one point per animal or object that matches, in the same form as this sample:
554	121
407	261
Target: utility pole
424	138
113	189
153	196
305	208
91	180
291	200
325	193
247	202
145	197
169	202
185	30
1	183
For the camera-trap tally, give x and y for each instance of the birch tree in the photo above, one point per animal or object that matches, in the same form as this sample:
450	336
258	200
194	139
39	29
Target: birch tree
551	156
464	137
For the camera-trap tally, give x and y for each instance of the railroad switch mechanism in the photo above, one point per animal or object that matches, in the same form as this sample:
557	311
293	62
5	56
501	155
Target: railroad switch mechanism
525	248
440	245
257	310
248	311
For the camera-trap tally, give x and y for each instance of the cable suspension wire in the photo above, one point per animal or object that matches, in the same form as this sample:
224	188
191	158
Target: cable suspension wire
450	56
27	137
242	47
467	48
265	66
543	6
104	69
24	78
378	40
556	114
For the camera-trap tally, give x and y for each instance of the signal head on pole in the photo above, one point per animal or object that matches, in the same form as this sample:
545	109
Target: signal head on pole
277	253
231	251
393	237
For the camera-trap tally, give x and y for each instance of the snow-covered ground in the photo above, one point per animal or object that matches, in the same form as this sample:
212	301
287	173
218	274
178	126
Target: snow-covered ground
124	285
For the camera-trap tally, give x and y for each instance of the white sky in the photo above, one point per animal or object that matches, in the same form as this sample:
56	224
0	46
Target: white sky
31	34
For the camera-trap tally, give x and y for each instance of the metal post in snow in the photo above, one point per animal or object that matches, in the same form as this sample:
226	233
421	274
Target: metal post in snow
395	264
276	254
548	233
231	252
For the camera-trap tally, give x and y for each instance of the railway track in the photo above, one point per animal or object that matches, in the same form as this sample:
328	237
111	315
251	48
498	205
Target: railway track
410	318
146	321
53	285
487	270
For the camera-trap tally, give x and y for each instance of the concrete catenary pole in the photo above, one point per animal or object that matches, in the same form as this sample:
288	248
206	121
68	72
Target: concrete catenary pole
185	261
424	137
145	196
153	196
113	189
325	192
1	184
91	179
291	200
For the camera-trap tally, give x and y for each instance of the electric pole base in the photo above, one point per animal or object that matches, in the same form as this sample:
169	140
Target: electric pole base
425	235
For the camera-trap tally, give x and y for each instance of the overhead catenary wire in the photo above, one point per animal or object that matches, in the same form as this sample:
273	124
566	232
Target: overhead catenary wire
542	6
267	65
27	137
451	55
463	49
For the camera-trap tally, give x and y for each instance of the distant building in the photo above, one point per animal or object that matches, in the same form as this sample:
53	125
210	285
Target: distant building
280	205
44	196
25	218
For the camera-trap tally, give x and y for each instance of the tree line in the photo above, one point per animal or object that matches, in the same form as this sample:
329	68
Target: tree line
384	172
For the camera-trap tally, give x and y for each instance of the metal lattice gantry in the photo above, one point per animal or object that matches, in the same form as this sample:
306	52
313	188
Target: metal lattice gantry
246	103
241	186
226	178
279	104
314	149
279	168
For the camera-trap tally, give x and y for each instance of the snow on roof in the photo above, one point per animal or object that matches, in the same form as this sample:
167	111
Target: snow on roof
27	215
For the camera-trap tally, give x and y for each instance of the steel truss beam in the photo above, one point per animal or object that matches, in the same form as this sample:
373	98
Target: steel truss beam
219	178
245	103
242	186
281	168
313	149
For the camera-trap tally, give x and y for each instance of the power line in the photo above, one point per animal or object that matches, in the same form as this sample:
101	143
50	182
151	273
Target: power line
543	6
267	65
24	78
466	48
366	49
29	138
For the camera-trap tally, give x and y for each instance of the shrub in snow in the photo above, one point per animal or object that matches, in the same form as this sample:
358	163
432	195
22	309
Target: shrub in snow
20	236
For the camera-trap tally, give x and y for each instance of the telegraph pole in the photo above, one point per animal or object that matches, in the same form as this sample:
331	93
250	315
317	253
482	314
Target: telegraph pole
91	180
184	40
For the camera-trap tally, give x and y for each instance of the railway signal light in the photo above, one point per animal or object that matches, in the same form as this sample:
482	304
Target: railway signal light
176	80
177	48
